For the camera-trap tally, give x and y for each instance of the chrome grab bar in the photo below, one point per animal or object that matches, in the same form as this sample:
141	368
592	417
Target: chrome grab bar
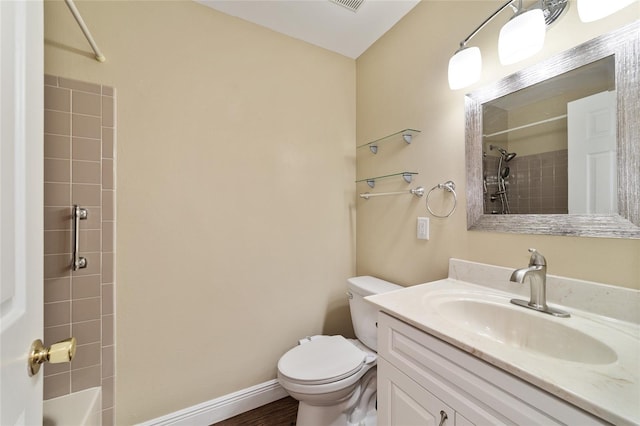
78	214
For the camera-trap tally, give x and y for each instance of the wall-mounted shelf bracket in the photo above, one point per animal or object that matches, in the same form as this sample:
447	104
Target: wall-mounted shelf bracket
407	176
405	135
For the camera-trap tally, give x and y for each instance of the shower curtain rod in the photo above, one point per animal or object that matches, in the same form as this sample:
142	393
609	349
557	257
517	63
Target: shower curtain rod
76	14
548	120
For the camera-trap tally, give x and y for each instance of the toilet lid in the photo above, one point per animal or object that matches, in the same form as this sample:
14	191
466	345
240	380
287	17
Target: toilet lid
322	360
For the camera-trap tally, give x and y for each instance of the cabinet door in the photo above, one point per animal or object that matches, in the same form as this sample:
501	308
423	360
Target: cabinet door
401	401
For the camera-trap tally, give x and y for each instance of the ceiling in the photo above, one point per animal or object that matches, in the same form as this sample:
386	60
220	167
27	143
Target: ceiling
321	22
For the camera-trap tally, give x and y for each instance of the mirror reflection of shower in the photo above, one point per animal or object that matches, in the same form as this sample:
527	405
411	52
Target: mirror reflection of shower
502	174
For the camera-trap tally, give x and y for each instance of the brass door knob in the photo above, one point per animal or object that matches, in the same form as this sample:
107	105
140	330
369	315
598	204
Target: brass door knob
63	351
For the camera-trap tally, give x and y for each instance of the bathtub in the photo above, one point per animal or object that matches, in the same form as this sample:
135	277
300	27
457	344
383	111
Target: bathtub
76	409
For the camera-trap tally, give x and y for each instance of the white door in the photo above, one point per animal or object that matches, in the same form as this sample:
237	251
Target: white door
21	211
591	128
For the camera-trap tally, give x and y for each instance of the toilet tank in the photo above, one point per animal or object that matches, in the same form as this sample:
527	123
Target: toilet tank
364	315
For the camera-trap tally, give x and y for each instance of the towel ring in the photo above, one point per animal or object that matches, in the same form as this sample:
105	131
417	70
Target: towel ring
447	186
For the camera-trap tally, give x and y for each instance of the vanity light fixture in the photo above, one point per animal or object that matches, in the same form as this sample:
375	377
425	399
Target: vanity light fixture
592	10
520	38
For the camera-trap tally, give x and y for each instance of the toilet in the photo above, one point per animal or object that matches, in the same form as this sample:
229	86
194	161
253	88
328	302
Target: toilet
332	377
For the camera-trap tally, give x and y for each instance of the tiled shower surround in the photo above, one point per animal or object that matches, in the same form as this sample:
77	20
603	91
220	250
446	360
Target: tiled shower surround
537	184
79	169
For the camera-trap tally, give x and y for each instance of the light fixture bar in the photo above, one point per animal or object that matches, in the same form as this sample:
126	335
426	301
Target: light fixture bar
484	23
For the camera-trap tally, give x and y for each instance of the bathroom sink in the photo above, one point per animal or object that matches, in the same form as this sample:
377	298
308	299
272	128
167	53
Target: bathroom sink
531	331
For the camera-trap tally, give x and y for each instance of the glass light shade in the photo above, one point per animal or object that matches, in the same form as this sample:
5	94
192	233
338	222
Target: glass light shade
592	10
521	37
465	67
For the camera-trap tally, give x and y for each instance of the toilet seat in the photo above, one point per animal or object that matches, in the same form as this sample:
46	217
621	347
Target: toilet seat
326	359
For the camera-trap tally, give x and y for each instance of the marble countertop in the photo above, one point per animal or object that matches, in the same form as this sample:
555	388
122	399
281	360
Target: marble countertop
609	389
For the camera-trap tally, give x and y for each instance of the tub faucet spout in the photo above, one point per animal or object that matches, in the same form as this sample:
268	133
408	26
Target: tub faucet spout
537	273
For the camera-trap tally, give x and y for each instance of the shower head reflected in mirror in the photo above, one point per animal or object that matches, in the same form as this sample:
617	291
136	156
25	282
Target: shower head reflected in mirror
506	156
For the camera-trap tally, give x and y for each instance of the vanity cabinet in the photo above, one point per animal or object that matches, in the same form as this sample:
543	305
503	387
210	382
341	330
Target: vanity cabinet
420	377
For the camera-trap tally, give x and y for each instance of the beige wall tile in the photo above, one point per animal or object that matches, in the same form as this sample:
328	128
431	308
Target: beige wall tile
57	313
86	195
57	194
86	149
57	265
85	126
108	205
86	103
107	111
57	170
86	172
57	242
51	369
85	309
50	80
57	289
93	220
57	385
107	267
107	392
108	361
84	287
79	85
107	142
56	333
57	99
107	174
93	264
57	146
108	236
87	331
87	356
90	240
107	299
107	330
57	123
57	218
85	378
108	417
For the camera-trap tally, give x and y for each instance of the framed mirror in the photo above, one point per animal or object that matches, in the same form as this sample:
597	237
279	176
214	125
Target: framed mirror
555	148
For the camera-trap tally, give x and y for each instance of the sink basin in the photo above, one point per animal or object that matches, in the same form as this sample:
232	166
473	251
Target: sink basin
517	327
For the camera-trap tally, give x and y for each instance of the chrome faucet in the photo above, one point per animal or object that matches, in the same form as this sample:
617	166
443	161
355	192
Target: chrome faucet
537	273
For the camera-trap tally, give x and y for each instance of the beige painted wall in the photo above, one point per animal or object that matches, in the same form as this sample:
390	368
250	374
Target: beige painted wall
235	208
402	82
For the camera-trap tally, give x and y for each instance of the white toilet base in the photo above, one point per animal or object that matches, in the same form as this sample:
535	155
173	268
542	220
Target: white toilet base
359	409
309	415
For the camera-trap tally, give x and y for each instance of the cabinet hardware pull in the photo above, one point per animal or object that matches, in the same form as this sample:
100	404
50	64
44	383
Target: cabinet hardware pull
443	417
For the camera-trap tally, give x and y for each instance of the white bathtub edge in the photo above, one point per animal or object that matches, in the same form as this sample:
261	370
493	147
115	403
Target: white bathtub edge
77	408
222	408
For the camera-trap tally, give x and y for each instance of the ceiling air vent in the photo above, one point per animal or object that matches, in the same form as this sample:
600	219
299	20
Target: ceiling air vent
352	5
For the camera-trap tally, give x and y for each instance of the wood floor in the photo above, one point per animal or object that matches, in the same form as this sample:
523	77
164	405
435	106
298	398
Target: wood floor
279	413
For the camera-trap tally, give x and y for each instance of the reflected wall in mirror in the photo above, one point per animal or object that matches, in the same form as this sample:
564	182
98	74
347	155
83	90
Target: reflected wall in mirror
525	145
555	148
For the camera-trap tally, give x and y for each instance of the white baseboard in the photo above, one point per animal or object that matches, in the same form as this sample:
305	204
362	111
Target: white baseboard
224	407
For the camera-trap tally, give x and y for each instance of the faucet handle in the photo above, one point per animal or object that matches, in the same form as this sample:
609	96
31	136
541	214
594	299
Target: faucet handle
537	259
